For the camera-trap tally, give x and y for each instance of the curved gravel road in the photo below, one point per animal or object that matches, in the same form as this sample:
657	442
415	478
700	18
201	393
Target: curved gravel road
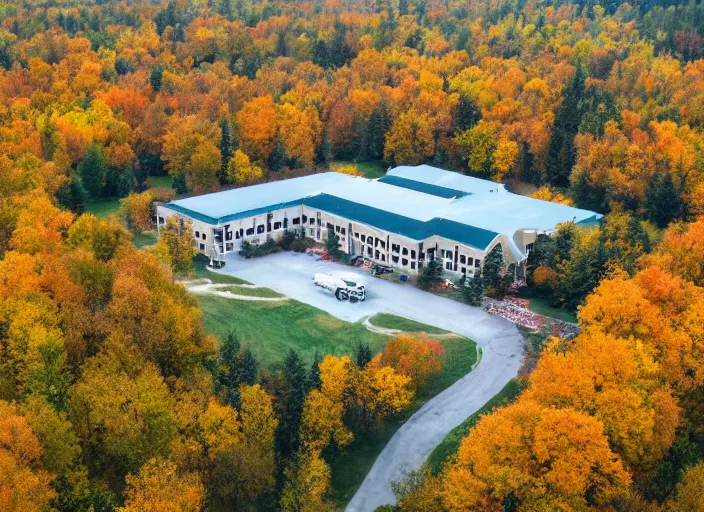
500	341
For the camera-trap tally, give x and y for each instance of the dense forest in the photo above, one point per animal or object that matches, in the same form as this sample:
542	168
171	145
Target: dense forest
112	394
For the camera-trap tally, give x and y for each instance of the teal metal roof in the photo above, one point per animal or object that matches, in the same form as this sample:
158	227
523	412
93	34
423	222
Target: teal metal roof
404	226
419	186
235	216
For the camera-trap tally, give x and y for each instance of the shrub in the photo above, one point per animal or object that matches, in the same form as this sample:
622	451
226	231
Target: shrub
416	356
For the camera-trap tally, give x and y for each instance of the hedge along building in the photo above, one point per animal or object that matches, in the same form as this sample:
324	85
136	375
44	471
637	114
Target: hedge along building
404	219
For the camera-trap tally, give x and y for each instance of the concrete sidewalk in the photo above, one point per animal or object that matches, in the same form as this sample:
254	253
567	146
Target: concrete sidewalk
500	341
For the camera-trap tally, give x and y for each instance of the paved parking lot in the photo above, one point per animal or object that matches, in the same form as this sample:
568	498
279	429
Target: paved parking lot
500	340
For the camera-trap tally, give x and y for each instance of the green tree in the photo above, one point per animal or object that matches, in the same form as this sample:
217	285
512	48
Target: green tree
293	398
431	274
364	354
561	151
225	151
663	201
492	269
314	377
93	171
332	244
155	77
277	157
473	291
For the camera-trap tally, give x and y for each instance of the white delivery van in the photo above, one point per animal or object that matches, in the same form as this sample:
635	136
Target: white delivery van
343	287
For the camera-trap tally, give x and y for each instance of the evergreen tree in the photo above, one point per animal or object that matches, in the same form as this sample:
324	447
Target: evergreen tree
314	377
663	200
473	292
379	123
493	268
288	436
325	153
179	183
587	197
277	158
561	152
321	55
225	151
364	354
93	171
332	244
467	114
402	7
72	195
156	76
431	274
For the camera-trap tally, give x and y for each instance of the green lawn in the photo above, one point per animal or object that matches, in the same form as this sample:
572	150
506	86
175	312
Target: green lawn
541	303
160	181
389	321
144	239
270	329
267	293
449	446
350	468
103	207
199	263
371	169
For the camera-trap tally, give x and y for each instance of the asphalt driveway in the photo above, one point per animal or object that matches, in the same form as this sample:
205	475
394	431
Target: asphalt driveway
500	340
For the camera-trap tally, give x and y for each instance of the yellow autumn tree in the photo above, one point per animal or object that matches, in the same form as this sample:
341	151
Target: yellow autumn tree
242	171
160	487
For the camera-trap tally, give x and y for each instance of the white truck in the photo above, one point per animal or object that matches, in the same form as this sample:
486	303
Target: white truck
344	288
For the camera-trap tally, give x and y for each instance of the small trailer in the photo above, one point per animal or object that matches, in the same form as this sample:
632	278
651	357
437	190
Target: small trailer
344	288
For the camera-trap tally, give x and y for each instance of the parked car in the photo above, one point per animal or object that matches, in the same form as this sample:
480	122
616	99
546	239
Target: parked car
344	288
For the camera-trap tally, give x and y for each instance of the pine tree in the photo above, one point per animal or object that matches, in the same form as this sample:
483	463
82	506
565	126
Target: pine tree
225	151
379	123
561	152
93	171
314	377
467	114
473	292
277	158
155	77
492	269
364	354
248	368
431	275
288	437
332	244
663	201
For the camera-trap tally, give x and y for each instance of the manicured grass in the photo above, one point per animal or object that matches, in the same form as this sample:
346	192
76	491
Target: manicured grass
449	446
103	207
541	303
350	468
389	321
199	264
371	169
144	239
160	181
271	329
267	293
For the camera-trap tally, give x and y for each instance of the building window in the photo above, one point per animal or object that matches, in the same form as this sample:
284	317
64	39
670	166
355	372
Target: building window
464	270
395	248
448	265
161	220
203	236
304	218
529	249
413	254
312	221
383	258
463	259
237	234
376	255
201	247
268	227
448	255
413	265
382	244
405	251
197	234
229	247
369	251
296	221
364	237
277	225
337	229
394	259
442	253
404	262
330	225
477	263
260	229
228	233
250	231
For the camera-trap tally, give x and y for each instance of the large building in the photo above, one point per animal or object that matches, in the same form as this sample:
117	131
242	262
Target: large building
404	219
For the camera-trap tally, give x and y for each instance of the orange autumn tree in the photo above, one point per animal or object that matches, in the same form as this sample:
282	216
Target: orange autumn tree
542	457
414	355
